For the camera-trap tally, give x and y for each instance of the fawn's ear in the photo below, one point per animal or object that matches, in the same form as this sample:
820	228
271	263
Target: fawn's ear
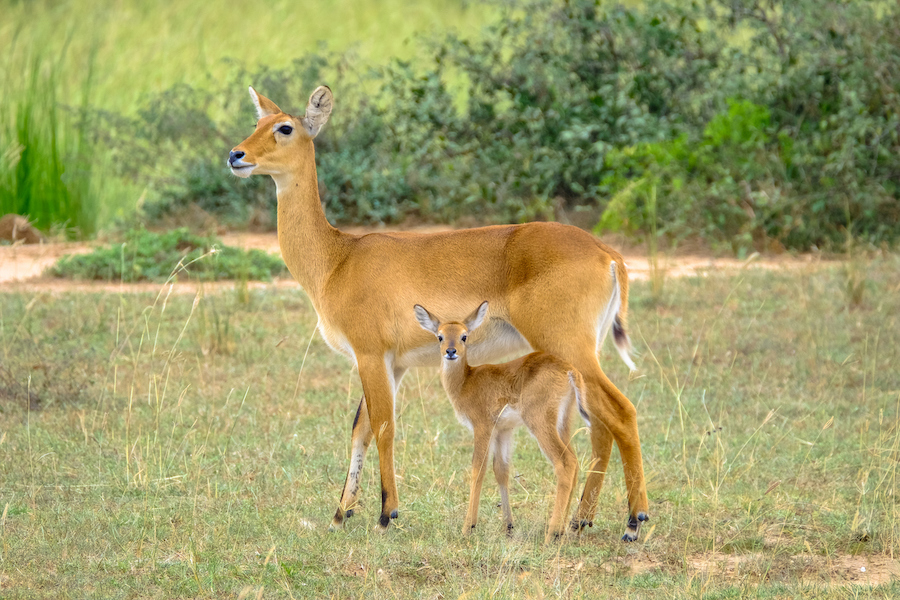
264	106
426	320
318	110
477	317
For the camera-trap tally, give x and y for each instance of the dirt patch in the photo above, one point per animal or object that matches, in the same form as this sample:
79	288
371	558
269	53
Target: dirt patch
841	569
811	569
22	267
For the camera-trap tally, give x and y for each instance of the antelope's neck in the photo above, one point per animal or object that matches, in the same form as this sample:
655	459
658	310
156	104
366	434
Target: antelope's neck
310	246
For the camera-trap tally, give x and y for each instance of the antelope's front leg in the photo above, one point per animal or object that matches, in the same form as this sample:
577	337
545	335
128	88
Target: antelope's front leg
378	388
360	439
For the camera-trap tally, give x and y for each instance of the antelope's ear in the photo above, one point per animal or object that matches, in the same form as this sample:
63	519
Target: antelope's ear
477	317
428	322
318	110
264	106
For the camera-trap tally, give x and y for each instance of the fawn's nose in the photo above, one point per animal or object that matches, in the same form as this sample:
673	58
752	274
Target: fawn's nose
451	353
235	156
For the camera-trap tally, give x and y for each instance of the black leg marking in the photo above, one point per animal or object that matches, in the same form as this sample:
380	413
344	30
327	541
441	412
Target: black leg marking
358	411
384	520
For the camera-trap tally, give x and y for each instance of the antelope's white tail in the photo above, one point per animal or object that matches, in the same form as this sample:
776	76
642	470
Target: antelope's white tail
619	310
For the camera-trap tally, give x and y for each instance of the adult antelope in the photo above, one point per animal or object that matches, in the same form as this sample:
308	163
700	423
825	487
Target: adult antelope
537	390
362	288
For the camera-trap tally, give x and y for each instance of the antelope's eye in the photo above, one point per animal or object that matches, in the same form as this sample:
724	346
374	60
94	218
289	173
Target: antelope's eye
286	129
440	338
463	338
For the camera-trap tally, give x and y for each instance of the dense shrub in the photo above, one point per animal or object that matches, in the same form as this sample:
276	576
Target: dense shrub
755	123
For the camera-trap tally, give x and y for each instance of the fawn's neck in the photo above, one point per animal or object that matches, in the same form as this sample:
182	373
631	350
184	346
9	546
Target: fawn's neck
453	377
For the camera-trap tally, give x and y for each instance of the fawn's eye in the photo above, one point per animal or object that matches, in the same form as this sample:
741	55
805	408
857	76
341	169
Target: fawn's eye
440	338
286	129
464	338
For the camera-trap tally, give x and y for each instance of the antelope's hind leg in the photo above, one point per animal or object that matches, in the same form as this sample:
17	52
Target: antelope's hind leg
613	417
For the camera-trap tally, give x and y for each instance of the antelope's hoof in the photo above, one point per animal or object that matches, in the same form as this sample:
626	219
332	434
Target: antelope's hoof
337	523
579	525
384	521
634	527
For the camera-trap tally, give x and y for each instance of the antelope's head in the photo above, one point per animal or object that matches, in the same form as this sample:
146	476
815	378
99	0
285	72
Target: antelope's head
451	335
281	140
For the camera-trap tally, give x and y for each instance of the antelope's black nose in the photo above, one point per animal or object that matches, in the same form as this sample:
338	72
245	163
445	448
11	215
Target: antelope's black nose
235	156
451	352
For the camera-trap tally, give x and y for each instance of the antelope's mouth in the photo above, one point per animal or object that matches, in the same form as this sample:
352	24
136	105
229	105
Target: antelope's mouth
242	170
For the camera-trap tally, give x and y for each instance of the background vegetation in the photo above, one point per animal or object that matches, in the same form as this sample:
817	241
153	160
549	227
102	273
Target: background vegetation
149	256
756	123
195	446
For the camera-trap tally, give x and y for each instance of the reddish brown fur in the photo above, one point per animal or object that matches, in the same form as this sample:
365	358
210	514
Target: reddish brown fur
538	388
362	287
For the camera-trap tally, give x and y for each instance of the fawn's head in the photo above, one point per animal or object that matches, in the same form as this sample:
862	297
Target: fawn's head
280	139
451	335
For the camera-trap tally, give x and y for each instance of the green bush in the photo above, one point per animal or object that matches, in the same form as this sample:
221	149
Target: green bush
148	256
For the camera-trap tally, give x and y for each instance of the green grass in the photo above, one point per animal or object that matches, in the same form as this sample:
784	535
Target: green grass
195	446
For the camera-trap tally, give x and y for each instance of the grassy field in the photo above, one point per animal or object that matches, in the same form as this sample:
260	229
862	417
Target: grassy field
195	446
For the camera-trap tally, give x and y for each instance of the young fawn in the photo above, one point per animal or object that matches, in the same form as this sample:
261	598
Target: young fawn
538	390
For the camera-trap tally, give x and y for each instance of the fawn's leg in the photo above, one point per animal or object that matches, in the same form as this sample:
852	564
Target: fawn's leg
479	466
502	453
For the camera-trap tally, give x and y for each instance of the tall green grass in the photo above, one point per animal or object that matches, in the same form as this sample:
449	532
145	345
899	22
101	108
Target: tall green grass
47	170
